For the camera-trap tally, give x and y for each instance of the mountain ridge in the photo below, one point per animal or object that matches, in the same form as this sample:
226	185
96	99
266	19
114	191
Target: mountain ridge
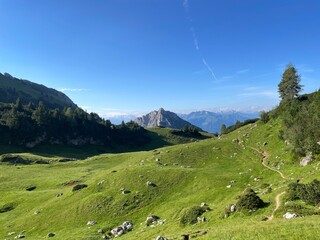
212	121
162	118
12	88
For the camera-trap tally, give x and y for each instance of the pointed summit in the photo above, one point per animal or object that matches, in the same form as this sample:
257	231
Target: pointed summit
162	118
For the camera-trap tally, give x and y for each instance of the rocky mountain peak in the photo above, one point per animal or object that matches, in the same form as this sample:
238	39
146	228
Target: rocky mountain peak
162	118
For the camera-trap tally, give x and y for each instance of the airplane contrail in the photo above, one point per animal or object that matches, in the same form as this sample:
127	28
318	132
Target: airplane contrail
195	39
209	68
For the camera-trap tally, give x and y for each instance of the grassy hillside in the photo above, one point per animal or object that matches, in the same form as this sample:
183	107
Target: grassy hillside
185	175
12	88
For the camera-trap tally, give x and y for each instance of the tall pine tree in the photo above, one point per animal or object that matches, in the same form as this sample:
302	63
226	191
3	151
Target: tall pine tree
289	87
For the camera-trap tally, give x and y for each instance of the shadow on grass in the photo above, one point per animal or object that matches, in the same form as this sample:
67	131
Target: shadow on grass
85	151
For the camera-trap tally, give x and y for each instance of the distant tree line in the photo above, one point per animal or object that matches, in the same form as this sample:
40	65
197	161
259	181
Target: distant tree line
225	130
188	131
21	124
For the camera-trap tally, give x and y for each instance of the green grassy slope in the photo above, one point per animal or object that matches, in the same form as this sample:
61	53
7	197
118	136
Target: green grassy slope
185	175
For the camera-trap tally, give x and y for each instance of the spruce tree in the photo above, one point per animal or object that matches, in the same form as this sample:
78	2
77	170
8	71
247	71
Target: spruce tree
289	87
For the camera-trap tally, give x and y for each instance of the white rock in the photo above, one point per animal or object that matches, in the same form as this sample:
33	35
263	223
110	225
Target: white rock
289	215
203	204
229	186
233	208
306	160
91	223
161	238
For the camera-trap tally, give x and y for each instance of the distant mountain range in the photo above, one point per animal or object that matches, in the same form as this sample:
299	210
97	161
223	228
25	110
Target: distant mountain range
162	118
212	121
12	88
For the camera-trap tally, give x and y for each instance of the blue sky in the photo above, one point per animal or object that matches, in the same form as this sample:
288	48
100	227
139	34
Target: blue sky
133	56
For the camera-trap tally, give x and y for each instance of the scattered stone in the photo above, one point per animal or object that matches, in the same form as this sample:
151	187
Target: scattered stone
105	236
151	220
125	191
184	237
265	144
50	234
257	179
157	160
289	215
232	181
31	188
201	219
11	233
101	182
91	223
307	159
125	227
233	208
229	186
101	230
161	238
36	212
151	184
59	195
161	222
19	236
203	204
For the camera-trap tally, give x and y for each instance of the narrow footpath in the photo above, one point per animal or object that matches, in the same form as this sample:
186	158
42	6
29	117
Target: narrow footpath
265	158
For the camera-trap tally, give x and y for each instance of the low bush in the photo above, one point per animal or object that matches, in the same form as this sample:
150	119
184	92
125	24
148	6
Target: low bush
249	201
79	187
309	193
190	215
8	207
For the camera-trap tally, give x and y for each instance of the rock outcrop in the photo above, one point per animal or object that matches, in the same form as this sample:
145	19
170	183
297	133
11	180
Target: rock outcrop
162	118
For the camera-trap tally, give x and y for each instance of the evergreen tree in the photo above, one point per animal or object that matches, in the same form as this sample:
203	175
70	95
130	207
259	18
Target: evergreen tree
289	87
264	117
223	129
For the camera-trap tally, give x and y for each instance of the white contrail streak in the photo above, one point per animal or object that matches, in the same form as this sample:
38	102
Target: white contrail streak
209	68
195	39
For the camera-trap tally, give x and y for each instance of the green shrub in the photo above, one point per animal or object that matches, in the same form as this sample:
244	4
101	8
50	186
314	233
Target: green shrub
8	207
264	117
78	187
309	193
190	216
249	201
